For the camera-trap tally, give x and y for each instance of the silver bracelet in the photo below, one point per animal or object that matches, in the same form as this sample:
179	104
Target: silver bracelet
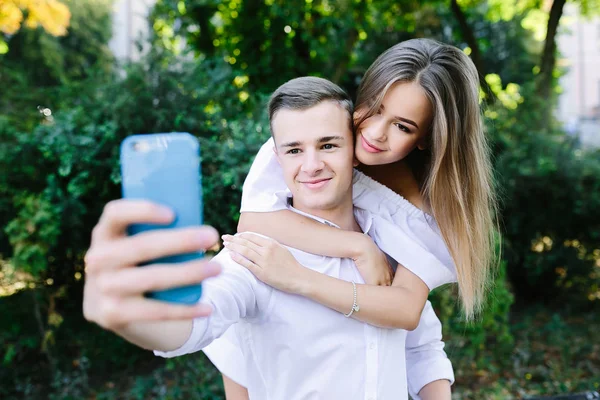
355	306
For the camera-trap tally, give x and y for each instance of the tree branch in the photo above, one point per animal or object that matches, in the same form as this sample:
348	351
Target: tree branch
548	59
469	37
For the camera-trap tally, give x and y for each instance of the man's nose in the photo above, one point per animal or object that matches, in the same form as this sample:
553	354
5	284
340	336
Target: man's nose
312	162
375	129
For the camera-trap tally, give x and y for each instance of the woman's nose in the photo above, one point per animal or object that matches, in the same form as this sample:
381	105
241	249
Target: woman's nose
375	128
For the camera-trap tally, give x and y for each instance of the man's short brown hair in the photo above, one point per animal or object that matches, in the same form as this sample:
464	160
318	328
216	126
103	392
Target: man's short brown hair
306	92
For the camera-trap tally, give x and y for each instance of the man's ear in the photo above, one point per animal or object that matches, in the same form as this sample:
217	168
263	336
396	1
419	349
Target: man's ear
356	116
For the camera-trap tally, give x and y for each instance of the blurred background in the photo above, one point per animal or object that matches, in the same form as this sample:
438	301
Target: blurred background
76	77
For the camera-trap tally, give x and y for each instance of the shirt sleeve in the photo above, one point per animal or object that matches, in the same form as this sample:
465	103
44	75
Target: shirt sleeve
234	294
227	355
426	360
397	241
404	232
264	188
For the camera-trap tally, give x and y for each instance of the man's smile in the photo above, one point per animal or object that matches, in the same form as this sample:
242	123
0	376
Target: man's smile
315	183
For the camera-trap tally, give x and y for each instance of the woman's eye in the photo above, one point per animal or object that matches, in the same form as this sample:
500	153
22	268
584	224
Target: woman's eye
403	128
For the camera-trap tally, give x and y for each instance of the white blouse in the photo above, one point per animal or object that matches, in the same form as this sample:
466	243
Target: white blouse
404	232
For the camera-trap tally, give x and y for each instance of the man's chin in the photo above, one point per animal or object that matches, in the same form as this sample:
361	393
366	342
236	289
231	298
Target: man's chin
318	204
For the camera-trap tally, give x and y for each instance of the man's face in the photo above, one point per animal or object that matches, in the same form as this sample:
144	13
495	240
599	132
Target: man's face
316	151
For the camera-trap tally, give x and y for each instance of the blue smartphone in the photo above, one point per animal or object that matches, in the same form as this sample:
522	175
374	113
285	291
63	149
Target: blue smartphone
165	169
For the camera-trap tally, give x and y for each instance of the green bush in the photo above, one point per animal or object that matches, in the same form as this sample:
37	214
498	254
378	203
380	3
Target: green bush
485	343
550	189
55	179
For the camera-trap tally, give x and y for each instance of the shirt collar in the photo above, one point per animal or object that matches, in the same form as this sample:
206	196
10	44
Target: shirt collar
363	218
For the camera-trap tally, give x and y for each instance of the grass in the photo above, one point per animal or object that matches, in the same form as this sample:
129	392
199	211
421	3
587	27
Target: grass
554	353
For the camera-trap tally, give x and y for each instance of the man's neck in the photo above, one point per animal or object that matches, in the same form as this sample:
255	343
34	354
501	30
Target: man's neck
342	215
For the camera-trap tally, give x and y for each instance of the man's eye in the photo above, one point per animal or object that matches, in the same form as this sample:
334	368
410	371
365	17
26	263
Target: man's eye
293	151
328	146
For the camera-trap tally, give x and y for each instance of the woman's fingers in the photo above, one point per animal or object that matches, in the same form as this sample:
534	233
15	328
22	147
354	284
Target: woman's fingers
244	262
246	249
256	239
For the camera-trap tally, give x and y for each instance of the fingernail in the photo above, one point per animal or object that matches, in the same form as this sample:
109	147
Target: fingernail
166	212
212	268
203	309
225	243
225	237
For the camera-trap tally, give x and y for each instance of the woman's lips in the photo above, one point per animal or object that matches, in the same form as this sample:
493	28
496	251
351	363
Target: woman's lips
368	146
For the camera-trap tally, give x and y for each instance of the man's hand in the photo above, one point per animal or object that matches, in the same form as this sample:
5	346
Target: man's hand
373	264
269	261
114	285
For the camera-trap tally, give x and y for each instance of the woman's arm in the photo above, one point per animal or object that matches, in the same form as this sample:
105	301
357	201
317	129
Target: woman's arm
396	306
235	391
306	234
303	233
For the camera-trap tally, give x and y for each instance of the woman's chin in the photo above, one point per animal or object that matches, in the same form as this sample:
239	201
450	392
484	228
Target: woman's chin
369	159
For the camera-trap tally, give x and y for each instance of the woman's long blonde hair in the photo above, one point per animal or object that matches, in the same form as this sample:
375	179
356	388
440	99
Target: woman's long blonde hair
455	172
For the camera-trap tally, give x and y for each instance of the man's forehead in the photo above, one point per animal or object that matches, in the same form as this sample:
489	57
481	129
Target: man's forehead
327	119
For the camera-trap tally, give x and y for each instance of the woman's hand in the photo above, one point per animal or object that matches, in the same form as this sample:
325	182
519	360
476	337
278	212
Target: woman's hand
373	264
269	261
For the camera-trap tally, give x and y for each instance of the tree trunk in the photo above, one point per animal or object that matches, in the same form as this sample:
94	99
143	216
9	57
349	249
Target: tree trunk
469	37
548	60
46	348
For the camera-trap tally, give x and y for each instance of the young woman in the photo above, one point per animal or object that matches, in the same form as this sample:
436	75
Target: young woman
425	168
425	171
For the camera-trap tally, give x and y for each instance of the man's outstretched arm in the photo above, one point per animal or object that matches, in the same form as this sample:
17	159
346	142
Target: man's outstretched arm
114	285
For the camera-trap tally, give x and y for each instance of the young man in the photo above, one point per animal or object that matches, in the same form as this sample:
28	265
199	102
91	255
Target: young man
294	348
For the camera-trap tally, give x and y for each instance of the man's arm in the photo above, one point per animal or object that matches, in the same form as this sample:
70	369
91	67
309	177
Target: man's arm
428	369
115	286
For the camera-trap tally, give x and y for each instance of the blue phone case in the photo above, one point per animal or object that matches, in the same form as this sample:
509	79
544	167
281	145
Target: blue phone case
165	168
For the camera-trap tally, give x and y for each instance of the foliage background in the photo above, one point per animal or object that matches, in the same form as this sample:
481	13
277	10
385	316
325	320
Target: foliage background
67	103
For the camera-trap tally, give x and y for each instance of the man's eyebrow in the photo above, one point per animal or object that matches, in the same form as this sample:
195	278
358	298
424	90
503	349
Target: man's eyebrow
408	121
323	139
332	138
291	144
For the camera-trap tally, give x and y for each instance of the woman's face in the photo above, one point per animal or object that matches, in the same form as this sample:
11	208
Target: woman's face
400	125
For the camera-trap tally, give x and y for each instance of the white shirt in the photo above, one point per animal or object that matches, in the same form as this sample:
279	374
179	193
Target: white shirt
401	230
426	360
296	348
